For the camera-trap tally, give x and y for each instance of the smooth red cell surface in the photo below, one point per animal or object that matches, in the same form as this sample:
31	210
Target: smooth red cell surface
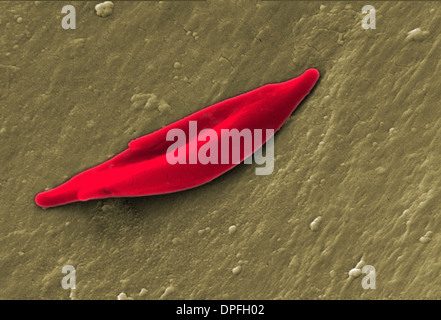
143	168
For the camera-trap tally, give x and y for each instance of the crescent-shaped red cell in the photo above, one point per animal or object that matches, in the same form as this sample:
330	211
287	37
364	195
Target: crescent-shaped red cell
143	169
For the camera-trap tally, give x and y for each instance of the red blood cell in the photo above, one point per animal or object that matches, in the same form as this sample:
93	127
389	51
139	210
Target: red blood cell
144	169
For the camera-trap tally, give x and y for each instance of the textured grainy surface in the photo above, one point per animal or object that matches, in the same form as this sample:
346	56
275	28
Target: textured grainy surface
362	151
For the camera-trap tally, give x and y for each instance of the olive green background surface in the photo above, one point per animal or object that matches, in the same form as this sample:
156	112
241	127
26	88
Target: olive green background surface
362	151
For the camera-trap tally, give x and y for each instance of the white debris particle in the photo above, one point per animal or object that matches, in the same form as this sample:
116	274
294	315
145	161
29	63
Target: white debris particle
232	229
143	292
426	238
236	270
122	296
167	292
104	9
417	34
314	226
355	272
177	65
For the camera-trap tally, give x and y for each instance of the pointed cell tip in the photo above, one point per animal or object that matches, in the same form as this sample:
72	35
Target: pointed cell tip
314	72
303	84
311	75
56	197
42	200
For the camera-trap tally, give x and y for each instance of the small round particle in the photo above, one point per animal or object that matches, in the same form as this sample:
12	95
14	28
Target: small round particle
314	226
19	20
426	238
169	290
143	292
104	9
355	272
232	229
236	270
177	65
122	296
